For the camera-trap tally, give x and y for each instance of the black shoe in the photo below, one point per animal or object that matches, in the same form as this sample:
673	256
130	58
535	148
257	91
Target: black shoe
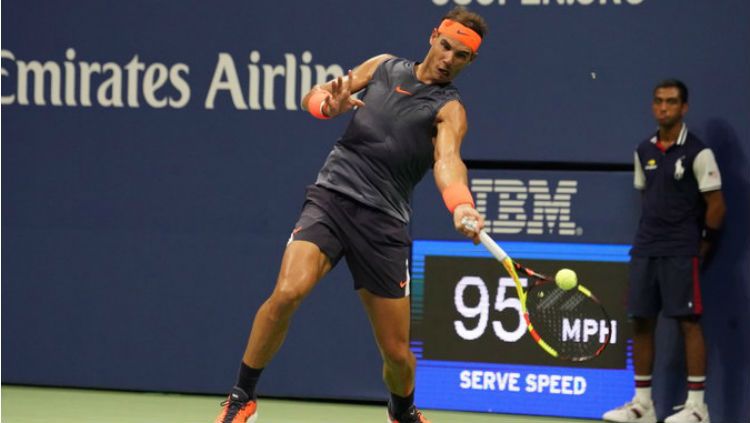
412	415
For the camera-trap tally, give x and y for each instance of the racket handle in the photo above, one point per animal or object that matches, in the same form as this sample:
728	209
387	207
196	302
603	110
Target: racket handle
492	246
486	240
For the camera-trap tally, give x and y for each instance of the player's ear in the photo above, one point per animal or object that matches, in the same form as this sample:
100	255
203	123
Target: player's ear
434	36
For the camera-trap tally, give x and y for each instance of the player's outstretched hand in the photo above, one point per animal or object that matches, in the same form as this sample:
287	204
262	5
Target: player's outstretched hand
341	100
466	213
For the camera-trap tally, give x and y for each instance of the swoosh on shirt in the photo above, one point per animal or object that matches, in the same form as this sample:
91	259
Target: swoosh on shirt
402	91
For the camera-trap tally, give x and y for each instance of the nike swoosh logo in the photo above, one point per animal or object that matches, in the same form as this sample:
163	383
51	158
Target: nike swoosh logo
402	284
402	91
461	32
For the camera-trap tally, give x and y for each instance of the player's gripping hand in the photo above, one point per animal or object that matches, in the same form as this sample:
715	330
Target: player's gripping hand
341	100
465	212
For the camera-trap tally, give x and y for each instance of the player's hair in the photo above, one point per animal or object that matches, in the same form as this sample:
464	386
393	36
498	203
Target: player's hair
470	19
674	83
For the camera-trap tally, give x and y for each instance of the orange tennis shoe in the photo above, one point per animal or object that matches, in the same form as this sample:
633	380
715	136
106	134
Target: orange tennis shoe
238	408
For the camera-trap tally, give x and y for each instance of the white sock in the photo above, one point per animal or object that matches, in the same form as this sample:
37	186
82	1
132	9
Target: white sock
643	388
696	385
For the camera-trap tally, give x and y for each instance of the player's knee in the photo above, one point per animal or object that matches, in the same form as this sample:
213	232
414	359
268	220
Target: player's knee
293	285
398	354
287	297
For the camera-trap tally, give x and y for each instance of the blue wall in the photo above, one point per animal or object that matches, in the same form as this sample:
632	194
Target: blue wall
143	223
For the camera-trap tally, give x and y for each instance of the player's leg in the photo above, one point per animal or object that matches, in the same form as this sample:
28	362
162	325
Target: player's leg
643	306
312	250
643	356
378	248
695	355
302	266
685	305
389	318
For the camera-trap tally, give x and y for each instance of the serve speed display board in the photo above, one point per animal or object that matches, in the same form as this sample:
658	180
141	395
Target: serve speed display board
473	349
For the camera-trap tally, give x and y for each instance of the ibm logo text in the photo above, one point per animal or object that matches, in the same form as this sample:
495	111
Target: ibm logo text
526	206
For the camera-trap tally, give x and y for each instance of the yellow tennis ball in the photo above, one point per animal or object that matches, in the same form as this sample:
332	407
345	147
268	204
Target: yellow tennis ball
566	279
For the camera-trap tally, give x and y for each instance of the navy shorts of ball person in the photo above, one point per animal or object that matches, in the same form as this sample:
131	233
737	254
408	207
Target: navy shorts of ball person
667	283
375	244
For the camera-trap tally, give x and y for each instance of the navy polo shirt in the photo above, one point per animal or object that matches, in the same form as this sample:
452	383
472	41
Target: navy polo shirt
673	182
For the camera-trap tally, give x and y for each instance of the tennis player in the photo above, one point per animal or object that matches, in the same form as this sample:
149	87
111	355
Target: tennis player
410	118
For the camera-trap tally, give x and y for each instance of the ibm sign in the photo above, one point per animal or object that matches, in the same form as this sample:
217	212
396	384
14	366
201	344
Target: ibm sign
533	207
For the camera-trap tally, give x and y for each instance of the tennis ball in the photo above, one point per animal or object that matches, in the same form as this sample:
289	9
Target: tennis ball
566	279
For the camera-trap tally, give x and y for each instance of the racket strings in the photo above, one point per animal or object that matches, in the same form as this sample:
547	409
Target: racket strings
573	302
551	300
569	321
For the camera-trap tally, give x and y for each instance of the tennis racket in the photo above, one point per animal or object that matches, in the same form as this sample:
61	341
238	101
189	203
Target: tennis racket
570	324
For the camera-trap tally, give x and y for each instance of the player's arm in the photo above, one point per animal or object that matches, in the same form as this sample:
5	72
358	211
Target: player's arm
707	174
335	96
715	211
451	176
639	177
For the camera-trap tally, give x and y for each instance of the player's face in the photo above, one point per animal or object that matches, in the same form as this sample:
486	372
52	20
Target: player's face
446	58
668	107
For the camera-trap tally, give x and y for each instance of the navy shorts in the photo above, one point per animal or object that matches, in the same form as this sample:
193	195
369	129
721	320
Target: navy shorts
669	284
375	244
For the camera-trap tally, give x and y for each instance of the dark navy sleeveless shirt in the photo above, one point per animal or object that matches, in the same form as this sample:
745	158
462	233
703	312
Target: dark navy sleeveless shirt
387	147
